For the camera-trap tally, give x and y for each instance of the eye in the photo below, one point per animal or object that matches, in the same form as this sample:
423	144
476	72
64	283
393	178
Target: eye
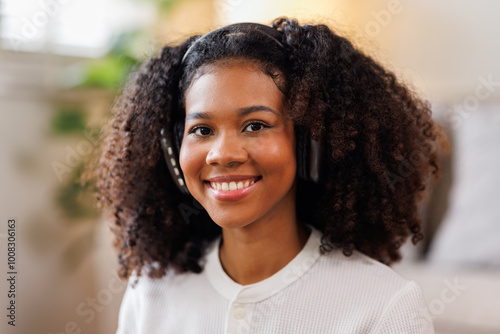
201	131
255	126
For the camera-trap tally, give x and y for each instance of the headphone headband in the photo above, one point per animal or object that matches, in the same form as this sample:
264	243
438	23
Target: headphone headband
236	29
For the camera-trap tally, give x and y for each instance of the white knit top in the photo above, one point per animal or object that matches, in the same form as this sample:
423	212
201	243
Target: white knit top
314	293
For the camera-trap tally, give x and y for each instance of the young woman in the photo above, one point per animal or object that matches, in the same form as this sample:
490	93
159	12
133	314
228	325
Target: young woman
254	177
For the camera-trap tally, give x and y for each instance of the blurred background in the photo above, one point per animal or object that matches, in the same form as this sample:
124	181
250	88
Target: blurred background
62	62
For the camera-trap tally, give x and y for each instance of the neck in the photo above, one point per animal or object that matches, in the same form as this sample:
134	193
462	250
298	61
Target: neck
256	252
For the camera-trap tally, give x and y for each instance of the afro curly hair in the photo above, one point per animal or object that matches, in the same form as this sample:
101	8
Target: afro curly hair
369	124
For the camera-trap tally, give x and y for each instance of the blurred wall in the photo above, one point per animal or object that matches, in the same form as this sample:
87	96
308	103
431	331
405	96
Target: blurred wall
443	47
47	293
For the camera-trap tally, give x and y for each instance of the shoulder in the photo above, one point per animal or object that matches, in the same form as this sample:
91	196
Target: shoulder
167	302
359	271
361	275
170	285
362	268
372	291
360	280
149	287
145	294
356	274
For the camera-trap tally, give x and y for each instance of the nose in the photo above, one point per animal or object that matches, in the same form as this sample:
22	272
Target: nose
227	151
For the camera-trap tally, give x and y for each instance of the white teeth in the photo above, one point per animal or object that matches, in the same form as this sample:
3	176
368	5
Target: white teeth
225	186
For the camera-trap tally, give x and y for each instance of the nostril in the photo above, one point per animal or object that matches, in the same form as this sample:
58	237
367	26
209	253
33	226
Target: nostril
227	157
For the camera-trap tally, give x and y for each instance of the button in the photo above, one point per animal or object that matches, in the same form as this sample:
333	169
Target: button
239	312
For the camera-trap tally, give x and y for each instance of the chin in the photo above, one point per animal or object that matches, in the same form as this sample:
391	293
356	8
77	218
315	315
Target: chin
231	221
231	224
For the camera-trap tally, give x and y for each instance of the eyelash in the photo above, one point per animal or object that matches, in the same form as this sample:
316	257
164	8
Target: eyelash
197	127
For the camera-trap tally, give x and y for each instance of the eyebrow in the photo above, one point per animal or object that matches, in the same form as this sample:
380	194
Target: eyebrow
241	112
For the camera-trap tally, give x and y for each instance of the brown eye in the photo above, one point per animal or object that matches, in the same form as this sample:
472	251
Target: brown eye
255	126
201	131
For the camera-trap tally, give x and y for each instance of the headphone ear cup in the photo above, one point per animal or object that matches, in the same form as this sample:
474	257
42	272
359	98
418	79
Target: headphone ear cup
301	144
178	134
308	155
171	154
314	160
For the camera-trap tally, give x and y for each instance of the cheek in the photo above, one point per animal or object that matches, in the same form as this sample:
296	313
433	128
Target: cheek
190	160
279	156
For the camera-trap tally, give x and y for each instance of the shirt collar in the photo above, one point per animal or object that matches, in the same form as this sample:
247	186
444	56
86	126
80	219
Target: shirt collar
256	292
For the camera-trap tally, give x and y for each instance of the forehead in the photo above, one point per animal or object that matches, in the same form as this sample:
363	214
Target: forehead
232	85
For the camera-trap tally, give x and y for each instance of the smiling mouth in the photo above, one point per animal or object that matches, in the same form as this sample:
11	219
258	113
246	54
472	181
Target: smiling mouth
233	185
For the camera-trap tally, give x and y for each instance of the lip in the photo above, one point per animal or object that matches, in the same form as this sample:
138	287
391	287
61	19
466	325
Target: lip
234	195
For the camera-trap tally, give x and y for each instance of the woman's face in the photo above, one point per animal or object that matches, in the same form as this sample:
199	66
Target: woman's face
238	151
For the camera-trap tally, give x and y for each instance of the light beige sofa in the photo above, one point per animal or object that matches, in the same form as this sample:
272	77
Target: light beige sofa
458	265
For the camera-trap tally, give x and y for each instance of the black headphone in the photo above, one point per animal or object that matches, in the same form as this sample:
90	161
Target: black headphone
308	149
